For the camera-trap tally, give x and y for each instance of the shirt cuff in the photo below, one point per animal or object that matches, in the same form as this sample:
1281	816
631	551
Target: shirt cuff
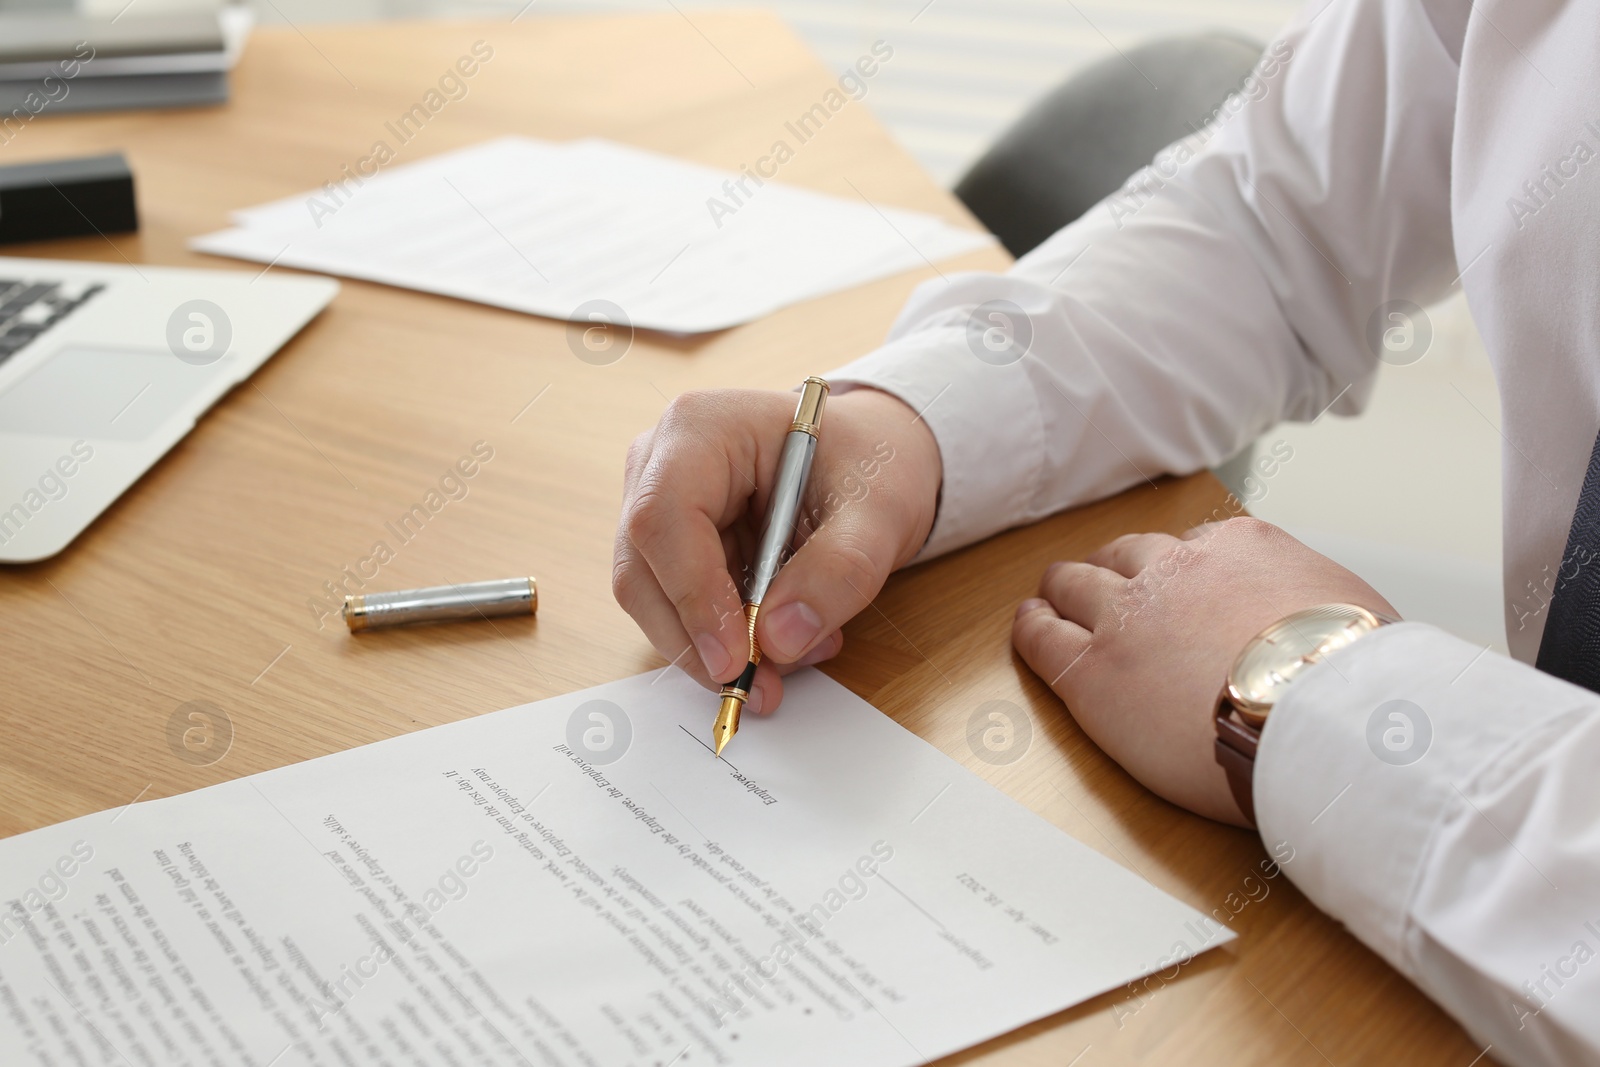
1369	751
984	415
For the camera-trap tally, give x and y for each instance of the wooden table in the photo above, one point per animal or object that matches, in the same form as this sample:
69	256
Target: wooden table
200	584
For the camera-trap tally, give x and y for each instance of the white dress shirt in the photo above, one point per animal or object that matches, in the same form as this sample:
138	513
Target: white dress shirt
1385	150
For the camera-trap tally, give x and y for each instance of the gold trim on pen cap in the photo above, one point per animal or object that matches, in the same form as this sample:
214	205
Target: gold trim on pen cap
533	594
808	413
355	613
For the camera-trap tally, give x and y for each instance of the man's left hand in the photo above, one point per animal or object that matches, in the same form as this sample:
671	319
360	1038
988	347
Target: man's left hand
1138	640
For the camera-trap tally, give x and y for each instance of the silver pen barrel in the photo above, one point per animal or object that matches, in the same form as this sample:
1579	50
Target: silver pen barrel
794	469
442	603
789	489
794	465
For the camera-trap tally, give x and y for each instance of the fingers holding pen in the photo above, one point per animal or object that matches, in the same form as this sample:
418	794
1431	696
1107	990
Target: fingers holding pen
833	576
671	554
640	595
683	552
692	518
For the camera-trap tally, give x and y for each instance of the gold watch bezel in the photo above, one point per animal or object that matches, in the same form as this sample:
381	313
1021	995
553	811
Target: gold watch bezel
1355	618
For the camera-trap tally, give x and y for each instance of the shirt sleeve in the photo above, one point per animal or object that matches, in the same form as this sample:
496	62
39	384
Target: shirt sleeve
1440	801
1228	285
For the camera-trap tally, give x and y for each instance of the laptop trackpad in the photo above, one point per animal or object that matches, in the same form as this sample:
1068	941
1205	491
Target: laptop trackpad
98	391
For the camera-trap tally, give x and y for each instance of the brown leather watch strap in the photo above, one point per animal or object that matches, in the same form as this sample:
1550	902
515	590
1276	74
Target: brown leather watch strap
1236	752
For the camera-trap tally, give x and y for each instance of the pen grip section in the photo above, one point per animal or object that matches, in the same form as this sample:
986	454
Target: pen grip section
740	686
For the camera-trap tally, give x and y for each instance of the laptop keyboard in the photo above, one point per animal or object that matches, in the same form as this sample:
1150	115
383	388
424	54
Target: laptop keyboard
29	308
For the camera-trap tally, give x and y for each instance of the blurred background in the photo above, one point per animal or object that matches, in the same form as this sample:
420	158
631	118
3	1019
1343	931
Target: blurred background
1408	495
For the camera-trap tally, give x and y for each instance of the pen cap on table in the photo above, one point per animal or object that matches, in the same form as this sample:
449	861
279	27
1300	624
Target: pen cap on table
497	598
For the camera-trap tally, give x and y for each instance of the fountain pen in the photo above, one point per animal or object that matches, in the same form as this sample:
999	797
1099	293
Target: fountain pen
794	468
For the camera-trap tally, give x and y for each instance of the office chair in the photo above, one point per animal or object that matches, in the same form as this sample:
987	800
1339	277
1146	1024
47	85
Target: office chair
1087	136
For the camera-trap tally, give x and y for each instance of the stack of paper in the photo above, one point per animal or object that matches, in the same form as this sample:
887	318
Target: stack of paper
554	228
57	62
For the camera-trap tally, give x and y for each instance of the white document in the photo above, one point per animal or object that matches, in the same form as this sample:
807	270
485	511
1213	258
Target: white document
548	228
572	882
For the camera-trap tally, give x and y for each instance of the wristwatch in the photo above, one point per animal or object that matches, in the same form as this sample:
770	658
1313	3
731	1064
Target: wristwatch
1266	667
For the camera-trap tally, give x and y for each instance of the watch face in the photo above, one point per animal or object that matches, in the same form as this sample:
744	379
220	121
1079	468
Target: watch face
1286	649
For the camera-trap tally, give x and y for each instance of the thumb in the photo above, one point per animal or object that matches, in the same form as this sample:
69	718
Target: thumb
833	576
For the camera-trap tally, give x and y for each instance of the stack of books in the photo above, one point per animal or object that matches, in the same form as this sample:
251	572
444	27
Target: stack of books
59	62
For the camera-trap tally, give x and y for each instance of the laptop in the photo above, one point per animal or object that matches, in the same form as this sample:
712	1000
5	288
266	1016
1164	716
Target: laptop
104	368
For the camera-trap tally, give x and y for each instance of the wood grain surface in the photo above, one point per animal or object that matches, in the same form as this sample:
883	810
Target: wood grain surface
202	582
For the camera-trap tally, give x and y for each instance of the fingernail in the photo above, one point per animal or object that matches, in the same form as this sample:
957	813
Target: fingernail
755	701
712	654
1031	604
791	629
827	650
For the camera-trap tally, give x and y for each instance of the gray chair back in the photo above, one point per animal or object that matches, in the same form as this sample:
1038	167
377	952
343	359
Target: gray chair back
1076	146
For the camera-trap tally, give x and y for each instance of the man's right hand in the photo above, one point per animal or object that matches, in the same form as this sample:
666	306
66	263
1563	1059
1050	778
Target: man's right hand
694	500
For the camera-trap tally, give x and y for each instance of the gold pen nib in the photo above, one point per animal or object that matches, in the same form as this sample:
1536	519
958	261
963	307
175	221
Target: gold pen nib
736	692
727	720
